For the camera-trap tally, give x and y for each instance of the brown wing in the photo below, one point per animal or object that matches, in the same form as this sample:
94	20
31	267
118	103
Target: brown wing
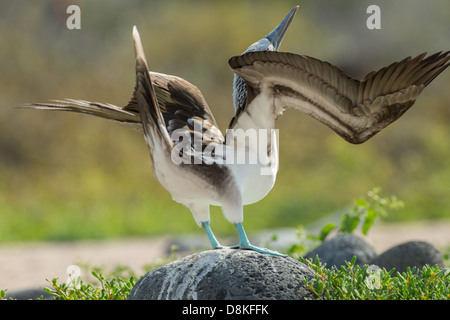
356	110
177	100
168	103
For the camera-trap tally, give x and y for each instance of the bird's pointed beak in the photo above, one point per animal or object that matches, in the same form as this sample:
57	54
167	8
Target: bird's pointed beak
276	36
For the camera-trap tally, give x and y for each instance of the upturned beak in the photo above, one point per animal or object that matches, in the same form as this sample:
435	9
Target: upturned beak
276	36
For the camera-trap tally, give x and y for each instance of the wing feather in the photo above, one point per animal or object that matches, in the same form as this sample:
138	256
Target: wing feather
167	103
356	110
175	105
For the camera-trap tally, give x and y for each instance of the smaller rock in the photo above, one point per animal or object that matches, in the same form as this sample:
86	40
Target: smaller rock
29	294
342	248
409	254
226	274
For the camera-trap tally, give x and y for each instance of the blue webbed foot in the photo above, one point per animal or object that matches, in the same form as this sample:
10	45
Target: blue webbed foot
245	244
261	250
212	239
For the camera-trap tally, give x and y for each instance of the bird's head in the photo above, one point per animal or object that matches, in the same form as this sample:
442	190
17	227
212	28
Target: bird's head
270	42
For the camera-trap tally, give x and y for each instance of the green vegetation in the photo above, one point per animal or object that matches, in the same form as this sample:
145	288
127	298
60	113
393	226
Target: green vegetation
350	282
355	283
362	213
109	289
116	286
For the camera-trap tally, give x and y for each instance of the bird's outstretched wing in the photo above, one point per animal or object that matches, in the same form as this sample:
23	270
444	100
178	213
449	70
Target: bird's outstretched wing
177	101
356	110
167	104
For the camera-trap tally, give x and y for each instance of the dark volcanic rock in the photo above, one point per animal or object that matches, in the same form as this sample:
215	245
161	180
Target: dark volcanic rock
225	274
29	294
337	250
409	254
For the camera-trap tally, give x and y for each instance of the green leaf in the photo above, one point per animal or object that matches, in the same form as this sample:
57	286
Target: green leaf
368	221
349	223
361	202
326	230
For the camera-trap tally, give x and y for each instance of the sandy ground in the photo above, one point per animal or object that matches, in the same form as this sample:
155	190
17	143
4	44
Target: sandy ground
26	266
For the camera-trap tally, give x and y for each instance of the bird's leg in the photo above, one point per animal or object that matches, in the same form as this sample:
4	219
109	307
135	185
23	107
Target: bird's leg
214	243
244	243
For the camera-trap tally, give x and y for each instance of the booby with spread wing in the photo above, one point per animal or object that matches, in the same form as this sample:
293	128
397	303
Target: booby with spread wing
200	166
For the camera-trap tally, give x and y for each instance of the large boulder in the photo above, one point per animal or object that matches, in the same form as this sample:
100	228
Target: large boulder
225	274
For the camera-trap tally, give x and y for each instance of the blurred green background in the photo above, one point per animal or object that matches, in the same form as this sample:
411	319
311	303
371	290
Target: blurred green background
66	176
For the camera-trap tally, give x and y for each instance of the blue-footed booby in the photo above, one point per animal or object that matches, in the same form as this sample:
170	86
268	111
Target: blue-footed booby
200	166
